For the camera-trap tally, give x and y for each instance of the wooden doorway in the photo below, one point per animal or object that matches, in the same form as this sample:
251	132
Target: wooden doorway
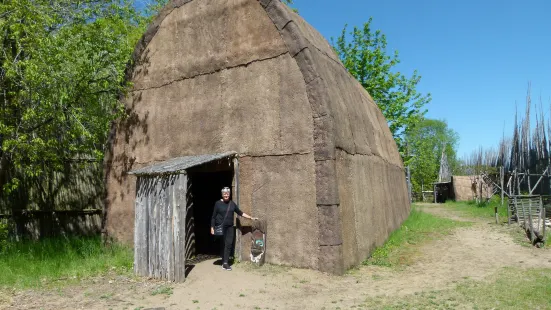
164	235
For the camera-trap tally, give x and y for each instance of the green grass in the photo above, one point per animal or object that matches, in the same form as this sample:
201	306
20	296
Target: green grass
403	243
39	263
481	210
508	289
162	290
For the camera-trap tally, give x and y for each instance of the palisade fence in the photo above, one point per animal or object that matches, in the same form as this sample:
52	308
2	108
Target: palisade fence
522	163
68	202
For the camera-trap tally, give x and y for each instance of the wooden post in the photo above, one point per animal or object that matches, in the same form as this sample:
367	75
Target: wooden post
409	184
529	187
502	177
509	210
523	213
237	249
141	250
179	227
543	216
539	214
511	184
434	192
532	237
508	186
539	180
497	217
480	182
518	183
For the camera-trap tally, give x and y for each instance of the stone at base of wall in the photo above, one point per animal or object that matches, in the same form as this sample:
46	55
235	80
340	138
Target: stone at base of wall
331	260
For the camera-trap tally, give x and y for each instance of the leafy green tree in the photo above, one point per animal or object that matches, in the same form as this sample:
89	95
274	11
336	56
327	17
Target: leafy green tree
364	54
152	7
425	143
62	69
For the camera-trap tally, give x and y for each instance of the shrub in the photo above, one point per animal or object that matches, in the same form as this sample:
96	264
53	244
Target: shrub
3	236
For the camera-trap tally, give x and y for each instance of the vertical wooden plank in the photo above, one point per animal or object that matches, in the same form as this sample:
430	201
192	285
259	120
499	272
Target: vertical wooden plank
522	204
162	229
156	232
167	228
238	234
543	229
151	227
183	228
180	228
138	227
509	211
150	199
153	247
158	208
518	185
140	230
170	228
176	227
540	213
154	241
530	223
529	185
147	228
518	207
502	179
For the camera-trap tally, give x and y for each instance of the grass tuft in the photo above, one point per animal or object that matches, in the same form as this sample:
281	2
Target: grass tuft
162	290
37	263
404	242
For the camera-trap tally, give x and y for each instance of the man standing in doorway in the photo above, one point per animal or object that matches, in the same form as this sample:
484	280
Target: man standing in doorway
221	223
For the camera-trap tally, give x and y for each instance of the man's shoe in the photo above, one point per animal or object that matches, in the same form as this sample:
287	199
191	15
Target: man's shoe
226	267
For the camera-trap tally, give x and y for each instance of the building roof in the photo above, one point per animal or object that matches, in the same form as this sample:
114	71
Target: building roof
178	164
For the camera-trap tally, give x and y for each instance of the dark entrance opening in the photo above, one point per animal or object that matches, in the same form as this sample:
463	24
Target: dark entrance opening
206	183
443	192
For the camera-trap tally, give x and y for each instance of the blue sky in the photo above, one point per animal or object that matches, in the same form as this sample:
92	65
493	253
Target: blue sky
475	57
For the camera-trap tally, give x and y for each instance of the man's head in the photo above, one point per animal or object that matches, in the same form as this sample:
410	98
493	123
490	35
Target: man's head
226	193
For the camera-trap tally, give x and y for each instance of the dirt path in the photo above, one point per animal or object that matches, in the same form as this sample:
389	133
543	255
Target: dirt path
469	253
444	212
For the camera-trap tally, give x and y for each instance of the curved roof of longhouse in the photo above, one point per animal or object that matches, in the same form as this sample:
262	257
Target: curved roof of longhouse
345	116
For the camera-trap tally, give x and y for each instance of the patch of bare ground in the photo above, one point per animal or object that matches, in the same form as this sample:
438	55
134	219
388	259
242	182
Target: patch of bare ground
106	292
469	253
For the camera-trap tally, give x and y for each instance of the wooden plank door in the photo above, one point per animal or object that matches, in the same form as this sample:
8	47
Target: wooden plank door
160	232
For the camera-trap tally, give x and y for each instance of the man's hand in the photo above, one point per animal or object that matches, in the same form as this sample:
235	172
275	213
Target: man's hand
212	231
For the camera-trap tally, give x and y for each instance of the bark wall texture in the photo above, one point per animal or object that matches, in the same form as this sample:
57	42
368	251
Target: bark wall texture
467	188
317	159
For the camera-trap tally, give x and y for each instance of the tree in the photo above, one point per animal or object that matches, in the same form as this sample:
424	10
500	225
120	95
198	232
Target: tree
152	7
61	74
365	57
425	143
